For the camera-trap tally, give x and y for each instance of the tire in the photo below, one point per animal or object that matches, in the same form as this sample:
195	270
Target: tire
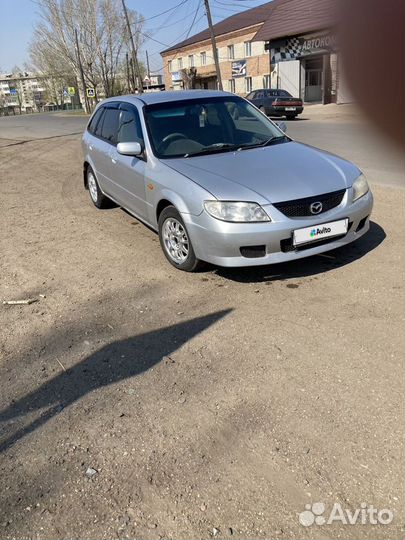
263	110
97	198
291	116
172	233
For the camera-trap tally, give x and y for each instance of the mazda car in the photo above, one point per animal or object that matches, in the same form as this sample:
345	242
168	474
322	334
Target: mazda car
219	181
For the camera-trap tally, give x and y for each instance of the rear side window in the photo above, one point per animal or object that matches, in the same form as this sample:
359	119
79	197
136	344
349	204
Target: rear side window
110	125
283	93
94	121
99	125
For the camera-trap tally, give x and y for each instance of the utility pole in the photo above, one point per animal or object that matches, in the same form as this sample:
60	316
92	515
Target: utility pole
86	102
131	65
147	64
128	80
134	55
214	44
147	70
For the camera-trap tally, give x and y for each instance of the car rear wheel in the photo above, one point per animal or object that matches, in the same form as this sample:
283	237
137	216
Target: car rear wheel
175	241
98	199
262	109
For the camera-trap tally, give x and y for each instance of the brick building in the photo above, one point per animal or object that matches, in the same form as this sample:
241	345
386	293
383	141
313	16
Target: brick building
289	44
244	63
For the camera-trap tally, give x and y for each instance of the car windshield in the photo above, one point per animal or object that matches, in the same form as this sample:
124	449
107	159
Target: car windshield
211	125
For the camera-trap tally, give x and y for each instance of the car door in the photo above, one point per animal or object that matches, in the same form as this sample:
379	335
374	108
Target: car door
256	98
105	141
98	149
128	172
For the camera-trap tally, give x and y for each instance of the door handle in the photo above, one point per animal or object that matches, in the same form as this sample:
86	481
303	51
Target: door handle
90	147
114	160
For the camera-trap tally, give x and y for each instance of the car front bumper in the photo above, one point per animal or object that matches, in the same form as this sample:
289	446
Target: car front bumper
220	243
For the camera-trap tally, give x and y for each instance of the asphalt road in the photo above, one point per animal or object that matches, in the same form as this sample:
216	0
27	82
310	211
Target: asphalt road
137	401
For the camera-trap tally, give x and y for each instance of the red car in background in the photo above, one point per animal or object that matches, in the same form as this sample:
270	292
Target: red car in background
276	102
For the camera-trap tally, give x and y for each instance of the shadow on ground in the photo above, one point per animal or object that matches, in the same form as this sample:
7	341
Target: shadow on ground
311	266
111	364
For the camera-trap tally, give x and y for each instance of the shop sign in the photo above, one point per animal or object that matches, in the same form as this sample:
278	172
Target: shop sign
176	76
239	68
297	47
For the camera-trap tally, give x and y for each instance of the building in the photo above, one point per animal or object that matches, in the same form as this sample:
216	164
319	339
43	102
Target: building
153	83
244	62
25	92
289	44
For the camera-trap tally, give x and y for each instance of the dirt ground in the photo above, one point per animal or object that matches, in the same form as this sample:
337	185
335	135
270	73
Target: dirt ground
139	401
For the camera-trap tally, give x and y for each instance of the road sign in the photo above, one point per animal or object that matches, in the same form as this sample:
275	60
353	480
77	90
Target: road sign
13	91
146	80
90	92
71	90
65	92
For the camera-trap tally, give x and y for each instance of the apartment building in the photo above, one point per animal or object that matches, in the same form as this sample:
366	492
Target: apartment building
289	44
22	92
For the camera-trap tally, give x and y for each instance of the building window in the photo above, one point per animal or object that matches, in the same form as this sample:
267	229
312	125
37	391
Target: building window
248	84
266	81
191	60
248	48
231	84
170	65
231	52
203	57
180	63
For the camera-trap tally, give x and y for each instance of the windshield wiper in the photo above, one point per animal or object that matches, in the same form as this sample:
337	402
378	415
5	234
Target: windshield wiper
267	142
213	149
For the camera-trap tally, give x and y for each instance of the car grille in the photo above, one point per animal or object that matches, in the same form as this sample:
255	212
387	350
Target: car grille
301	207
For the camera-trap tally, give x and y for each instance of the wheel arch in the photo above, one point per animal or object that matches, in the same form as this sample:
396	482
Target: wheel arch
86	166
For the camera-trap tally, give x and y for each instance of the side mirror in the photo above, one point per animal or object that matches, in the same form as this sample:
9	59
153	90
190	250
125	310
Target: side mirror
282	126
129	148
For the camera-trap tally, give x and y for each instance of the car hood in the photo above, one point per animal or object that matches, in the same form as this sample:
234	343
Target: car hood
271	174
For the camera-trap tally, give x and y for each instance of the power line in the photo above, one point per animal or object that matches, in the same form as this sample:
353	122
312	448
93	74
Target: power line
166	11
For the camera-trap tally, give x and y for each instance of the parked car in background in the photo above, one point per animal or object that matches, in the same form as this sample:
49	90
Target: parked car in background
276	103
219	181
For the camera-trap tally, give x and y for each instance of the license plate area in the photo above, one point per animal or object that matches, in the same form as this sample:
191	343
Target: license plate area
290	108
315	233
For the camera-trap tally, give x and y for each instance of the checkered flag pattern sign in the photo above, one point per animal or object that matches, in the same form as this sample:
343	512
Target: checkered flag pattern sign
290	51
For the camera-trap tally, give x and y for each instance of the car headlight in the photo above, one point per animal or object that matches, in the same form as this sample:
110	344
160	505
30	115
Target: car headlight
360	187
239	212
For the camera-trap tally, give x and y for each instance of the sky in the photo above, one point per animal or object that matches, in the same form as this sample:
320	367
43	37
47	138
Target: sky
17	18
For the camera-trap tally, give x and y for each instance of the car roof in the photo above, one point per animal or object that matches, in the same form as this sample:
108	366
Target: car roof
168	96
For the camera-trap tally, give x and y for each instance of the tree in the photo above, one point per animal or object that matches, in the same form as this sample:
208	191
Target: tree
103	41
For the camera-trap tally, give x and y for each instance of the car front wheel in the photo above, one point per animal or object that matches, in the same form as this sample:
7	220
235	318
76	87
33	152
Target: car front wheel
175	241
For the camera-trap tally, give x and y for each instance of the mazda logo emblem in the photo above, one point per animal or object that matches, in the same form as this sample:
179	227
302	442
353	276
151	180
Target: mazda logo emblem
316	207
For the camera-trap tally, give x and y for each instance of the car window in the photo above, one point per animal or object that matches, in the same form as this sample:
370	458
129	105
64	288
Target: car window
271	93
251	95
129	126
259	95
283	93
188	127
110	125
99	125
96	117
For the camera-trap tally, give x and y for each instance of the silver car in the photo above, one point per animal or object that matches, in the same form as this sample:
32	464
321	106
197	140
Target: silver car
219	181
